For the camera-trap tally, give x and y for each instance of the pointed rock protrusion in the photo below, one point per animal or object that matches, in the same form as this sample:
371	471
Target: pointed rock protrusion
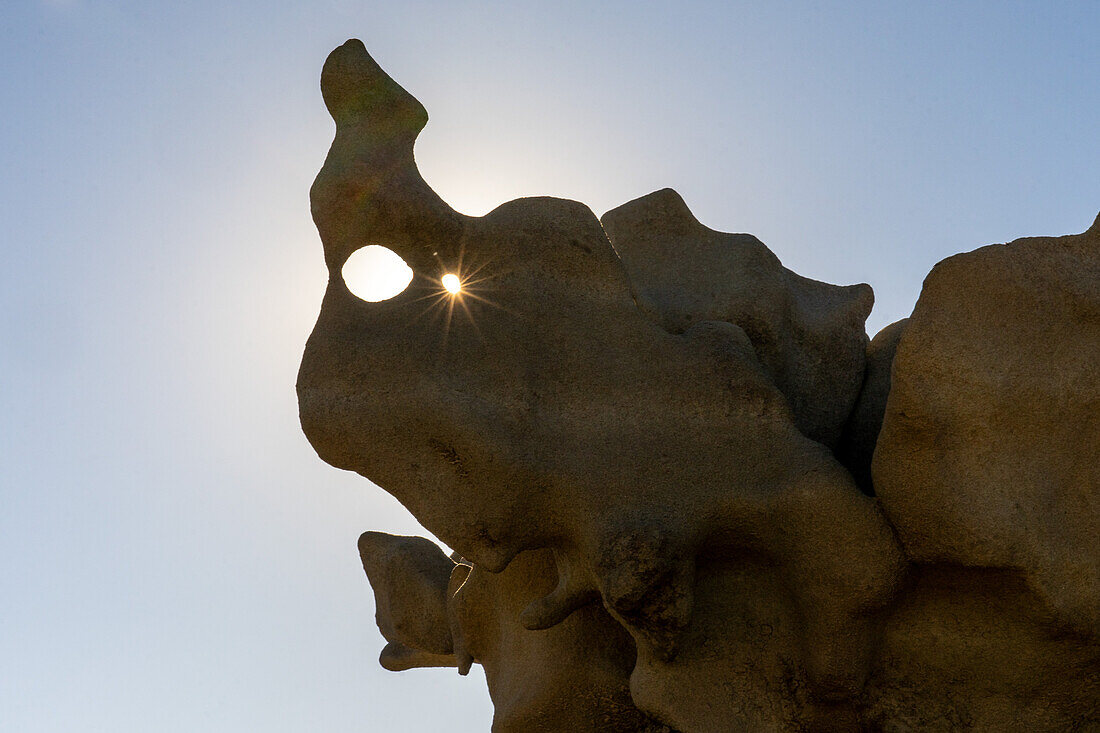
357	91
409	576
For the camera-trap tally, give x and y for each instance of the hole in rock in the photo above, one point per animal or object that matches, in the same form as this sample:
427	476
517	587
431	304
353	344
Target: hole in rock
374	273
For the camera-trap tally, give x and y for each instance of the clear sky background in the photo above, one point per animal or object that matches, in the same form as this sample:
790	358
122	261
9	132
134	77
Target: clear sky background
173	555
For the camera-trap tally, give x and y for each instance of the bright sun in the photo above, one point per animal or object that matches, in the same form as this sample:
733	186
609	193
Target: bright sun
375	273
452	283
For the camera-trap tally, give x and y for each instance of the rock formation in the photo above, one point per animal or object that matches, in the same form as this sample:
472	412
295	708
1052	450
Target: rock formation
808	335
646	441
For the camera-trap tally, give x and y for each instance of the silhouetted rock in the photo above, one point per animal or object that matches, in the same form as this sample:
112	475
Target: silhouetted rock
572	677
409	576
808	335
636	456
549	394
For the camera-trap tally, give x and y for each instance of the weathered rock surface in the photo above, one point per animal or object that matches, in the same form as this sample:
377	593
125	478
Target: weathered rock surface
572	677
989	454
543	391
409	576
635	449
808	335
967	649
857	443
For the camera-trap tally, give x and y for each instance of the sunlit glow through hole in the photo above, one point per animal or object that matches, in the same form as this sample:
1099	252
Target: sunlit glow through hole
375	273
451	283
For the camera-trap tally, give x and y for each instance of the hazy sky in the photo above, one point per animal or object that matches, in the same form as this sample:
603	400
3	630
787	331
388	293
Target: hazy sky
173	555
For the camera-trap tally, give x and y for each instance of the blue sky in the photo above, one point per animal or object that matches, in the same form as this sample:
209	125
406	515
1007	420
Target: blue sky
173	556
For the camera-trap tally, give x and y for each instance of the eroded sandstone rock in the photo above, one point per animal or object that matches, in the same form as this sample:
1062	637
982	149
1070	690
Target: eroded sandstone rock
572	677
409	576
989	454
634	445
857	443
808	335
543	391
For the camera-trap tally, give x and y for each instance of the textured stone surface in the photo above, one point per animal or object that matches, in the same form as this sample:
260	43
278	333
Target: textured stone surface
989	454
967	649
409	576
808	335
547	393
574	676
857	444
634	447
